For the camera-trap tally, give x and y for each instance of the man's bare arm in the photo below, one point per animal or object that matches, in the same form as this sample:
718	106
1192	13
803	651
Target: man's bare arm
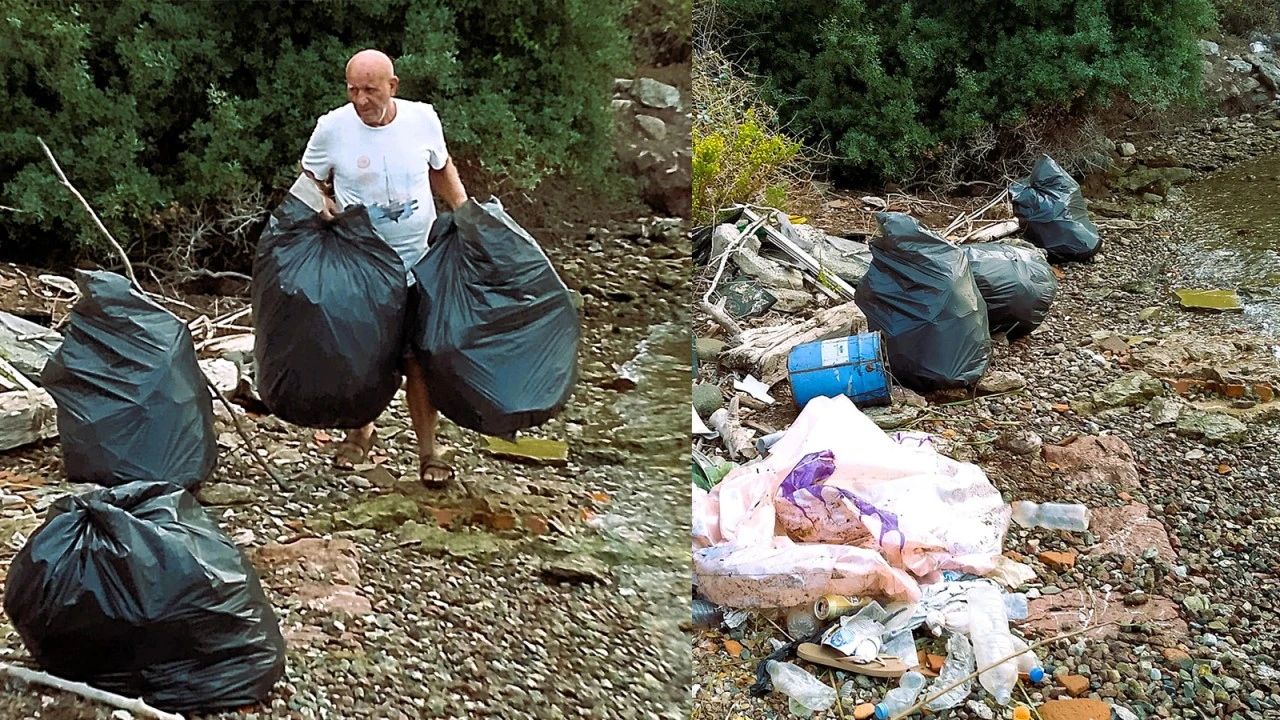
446	183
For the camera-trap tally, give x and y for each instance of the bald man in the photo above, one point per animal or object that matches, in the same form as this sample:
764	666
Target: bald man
388	154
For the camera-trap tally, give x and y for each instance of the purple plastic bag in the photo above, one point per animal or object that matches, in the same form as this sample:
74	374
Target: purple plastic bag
817	467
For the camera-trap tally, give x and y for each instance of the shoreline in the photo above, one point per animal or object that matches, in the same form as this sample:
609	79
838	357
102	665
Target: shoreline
1203	596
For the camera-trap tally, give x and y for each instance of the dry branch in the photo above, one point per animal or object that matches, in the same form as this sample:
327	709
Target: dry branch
133	705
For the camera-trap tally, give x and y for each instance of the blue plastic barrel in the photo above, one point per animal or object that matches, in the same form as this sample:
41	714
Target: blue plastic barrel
855	366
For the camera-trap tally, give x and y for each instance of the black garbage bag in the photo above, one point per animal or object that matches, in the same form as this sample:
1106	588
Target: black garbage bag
920	293
493	327
1050	204
135	590
329	305
1017	284
132	401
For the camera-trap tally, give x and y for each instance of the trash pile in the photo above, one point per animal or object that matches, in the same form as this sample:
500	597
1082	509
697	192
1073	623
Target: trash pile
132	587
863	541
873	547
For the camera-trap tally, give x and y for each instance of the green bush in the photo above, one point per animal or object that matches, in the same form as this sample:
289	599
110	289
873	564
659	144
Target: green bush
888	84
174	116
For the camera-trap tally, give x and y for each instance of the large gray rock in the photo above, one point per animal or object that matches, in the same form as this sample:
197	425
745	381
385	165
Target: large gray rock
1133	388
26	345
1240	65
1208	47
1157	180
1267	69
1165	411
656	94
769	272
1211	427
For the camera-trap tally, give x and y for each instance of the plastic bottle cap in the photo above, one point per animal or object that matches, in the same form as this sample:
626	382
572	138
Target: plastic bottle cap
1021	713
1036	674
882	712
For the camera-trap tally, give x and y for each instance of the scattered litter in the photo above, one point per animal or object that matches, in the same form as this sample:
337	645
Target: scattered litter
754	388
1221	300
1051	516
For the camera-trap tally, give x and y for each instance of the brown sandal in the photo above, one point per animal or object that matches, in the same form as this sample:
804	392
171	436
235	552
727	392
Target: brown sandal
437	464
348	453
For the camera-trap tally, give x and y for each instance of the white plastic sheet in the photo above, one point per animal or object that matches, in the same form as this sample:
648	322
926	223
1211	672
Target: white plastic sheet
864	515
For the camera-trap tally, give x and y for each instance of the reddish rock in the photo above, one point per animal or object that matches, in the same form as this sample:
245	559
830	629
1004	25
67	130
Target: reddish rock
934	662
1076	709
1129	531
1095	460
312	559
1076	685
333	598
1059	560
1264	392
304	635
1126	497
1236	390
535	525
1176	655
1073	609
322	574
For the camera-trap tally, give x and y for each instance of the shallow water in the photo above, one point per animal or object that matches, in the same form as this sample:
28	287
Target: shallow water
1236	240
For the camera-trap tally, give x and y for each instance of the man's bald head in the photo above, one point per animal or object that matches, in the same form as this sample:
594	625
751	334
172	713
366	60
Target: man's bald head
371	83
370	63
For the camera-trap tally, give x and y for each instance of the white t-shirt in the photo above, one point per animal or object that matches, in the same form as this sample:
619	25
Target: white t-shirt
384	168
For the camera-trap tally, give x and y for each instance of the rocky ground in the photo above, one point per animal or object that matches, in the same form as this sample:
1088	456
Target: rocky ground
1178	465
542	590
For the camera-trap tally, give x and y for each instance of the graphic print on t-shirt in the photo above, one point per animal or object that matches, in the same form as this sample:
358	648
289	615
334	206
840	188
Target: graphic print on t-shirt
400	203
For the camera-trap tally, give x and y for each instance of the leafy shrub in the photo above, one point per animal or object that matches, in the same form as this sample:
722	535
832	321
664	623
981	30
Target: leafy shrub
737	155
889	84
161	109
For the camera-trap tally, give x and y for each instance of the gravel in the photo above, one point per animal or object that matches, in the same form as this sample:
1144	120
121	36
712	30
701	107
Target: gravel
468	622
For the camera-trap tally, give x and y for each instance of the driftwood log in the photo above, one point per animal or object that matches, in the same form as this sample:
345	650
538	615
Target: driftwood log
26	345
765	350
27	416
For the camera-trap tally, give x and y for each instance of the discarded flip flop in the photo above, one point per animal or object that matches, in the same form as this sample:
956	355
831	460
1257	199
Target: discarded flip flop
886	667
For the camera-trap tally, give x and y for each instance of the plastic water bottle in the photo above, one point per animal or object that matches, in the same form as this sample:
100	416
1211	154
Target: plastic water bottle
959	664
1051	516
806	692
901	697
989	633
1028	663
801	622
1015	605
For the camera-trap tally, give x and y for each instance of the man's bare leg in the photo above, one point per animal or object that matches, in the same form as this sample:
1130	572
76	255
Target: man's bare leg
424	416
